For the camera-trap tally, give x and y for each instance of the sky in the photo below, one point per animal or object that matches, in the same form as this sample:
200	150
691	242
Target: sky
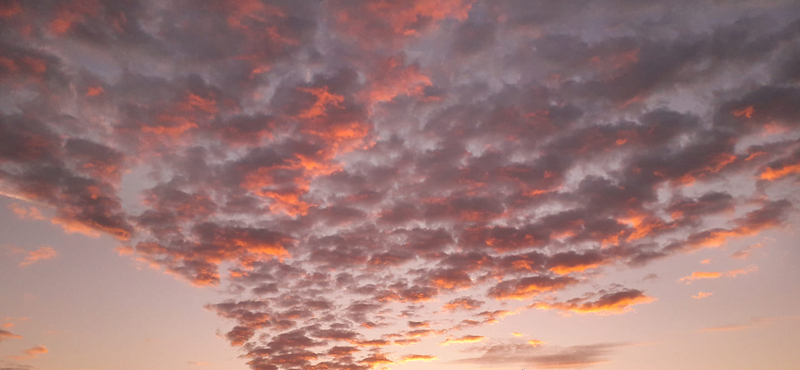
392	185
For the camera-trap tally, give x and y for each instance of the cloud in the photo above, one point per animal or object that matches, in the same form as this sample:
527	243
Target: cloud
608	303
30	213
413	358
523	354
461	340
4	334
745	253
30	353
43	253
701	295
701	275
536	342
464	303
359	175
698	275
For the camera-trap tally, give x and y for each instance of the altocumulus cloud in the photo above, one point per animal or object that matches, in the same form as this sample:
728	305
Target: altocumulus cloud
348	169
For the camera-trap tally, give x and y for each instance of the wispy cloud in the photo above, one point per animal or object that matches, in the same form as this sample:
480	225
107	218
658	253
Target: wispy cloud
43	253
30	353
703	275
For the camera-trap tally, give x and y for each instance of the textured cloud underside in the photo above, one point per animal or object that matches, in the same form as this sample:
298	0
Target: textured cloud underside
361	175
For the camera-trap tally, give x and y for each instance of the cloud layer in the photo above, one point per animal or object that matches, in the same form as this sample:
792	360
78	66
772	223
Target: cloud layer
348	170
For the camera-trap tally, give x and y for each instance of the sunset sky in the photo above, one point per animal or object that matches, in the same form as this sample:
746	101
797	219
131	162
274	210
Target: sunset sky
399	184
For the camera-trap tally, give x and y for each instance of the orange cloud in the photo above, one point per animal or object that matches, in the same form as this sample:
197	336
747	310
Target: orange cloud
324	98
6	334
94	91
30	353
528	287
701	295
564	270
780	172
744	253
700	275
771	215
394	78
73	12
608	304
376	359
43	253
30	213
461	340
74	227
744	271
410	358
389	20
536	343
746	111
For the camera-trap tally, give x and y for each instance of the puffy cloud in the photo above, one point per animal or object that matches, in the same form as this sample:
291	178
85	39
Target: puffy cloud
350	168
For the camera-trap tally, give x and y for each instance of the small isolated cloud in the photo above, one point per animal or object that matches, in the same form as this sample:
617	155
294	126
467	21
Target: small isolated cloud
701	295
6	334
744	271
745	253
29	213
412	358
698	275
703	275
43	253
608	304
198	363
462	340
30	353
